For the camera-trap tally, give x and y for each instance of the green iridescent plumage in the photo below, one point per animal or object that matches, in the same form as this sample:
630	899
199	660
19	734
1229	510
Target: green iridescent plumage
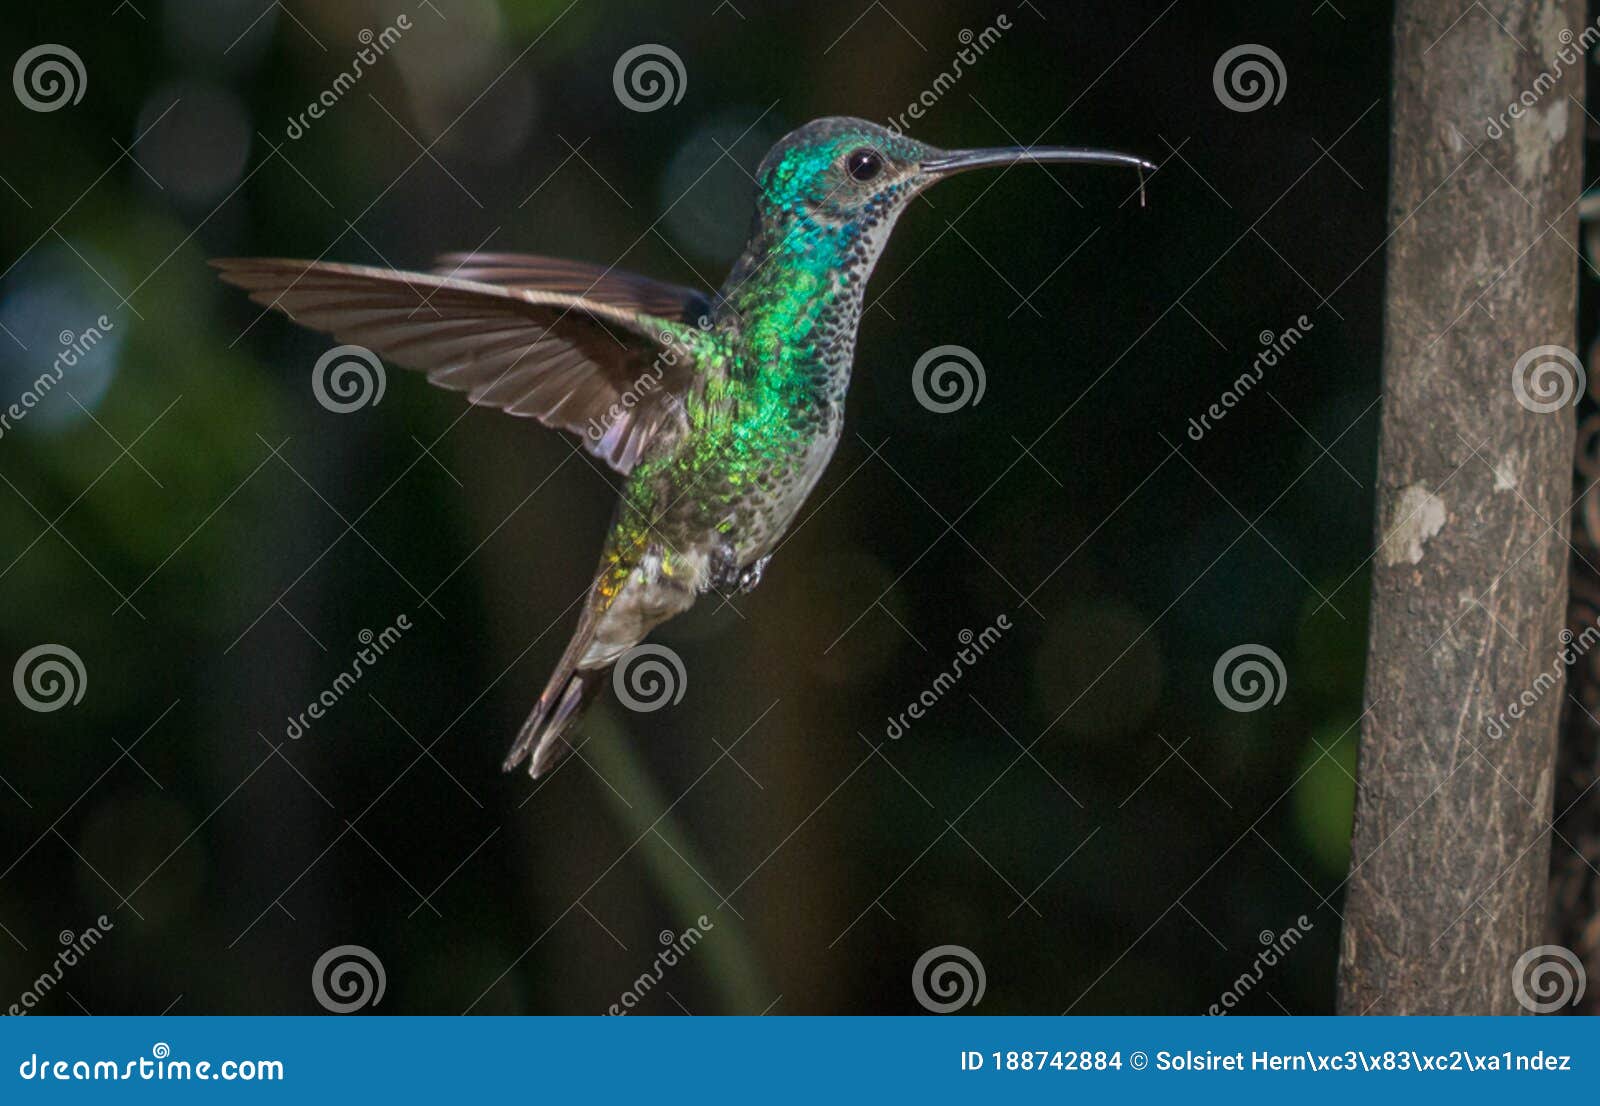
776	356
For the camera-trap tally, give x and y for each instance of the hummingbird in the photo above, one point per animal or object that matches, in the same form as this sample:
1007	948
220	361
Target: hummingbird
718	411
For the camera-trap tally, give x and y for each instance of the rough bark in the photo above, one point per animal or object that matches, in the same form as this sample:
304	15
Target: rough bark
1451	848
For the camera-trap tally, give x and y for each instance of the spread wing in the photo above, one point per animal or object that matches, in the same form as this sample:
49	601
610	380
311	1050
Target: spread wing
577	278
598	366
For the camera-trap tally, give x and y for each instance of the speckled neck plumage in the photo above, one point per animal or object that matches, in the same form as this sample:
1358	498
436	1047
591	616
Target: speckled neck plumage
789	309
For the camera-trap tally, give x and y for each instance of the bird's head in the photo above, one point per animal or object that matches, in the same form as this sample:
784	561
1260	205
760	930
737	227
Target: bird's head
839	170
845	181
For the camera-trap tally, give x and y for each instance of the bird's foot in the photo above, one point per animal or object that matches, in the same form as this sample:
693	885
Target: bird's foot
751	575
728	576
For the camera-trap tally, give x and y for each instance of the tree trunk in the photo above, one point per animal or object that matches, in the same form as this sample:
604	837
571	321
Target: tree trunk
1464	679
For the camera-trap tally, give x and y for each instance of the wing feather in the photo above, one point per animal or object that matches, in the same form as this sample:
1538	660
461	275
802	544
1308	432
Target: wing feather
580	352
615	287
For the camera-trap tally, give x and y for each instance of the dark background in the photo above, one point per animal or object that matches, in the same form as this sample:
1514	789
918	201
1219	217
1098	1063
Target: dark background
256	534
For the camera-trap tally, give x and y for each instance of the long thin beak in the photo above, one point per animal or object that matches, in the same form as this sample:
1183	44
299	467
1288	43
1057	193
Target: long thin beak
959	161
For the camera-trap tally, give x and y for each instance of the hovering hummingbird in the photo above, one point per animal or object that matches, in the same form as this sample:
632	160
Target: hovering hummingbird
719	411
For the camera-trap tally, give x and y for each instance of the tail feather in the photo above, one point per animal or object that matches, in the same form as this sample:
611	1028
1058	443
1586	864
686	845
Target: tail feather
544	734
570	691
612	621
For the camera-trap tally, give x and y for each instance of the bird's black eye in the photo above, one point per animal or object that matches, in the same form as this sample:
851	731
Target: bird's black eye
864	164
